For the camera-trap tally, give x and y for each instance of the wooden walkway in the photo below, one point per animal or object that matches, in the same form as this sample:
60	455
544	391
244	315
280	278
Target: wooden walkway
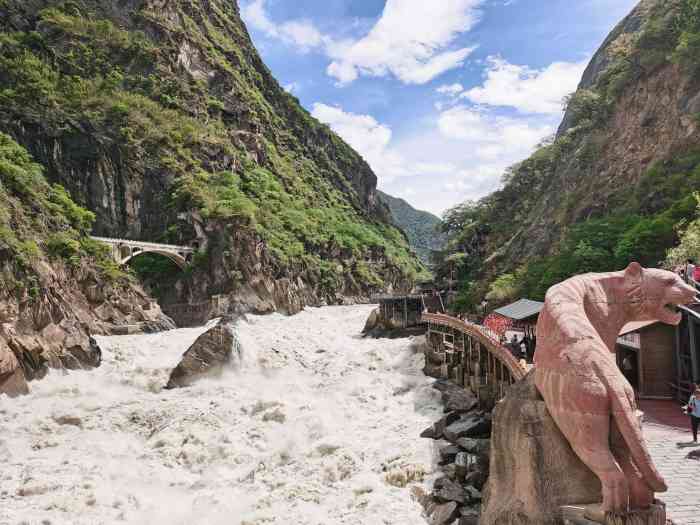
473	356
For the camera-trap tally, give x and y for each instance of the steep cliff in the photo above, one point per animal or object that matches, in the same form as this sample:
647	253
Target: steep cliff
617	179
160	117
56	285
422	228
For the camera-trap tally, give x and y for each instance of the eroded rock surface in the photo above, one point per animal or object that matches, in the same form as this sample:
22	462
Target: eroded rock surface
207	357
12	380
53	329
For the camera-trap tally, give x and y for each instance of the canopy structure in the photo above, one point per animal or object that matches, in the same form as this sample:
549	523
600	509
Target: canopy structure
521	310
521	314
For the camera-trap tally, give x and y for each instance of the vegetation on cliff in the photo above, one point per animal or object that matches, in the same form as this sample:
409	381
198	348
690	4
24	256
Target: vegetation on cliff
614	185
40	222
145	112
422	228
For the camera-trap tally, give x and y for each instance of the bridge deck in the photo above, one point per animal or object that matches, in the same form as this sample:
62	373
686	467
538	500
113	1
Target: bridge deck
145	245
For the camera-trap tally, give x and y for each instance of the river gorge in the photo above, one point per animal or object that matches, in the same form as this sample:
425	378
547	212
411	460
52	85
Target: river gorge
315	426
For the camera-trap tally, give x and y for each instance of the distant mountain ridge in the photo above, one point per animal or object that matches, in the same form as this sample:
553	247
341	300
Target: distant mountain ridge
615	185
421	227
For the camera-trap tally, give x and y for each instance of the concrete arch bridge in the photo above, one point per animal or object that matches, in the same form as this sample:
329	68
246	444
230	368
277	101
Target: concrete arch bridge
124	250
472	356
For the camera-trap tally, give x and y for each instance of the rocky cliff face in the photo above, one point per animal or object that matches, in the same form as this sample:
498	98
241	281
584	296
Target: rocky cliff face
57	287
160	117
626	152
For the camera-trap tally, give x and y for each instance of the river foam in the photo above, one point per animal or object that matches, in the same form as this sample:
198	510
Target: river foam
319	427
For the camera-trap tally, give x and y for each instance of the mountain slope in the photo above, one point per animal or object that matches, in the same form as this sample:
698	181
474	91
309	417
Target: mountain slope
421	227
160	117
618	177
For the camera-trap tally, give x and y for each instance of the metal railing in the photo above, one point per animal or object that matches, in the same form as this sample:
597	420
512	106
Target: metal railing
487	337
145	245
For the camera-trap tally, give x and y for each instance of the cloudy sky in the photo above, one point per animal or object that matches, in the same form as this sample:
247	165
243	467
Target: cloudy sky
439	96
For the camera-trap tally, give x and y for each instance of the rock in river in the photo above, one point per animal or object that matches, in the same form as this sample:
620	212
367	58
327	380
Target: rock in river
207	356
12	380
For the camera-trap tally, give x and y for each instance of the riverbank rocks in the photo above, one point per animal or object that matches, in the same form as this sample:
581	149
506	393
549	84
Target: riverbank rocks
462	437
52	327
533	471
207	357
378	328
12	380
455	398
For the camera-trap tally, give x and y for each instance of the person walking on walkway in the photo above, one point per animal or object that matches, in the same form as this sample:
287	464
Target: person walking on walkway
693	410
689	269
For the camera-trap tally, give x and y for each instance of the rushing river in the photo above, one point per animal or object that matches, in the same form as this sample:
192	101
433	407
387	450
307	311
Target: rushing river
318	427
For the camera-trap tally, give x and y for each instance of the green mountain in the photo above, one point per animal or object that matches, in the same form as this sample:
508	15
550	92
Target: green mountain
162	120
57	286
422	228
617	182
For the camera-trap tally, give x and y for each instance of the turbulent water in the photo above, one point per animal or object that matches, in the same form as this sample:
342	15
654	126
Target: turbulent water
318	427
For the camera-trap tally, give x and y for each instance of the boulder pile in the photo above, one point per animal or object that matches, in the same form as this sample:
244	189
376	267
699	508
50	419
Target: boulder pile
464	435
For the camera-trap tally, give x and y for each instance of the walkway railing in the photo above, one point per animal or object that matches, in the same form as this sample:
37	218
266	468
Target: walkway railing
488	338
145	245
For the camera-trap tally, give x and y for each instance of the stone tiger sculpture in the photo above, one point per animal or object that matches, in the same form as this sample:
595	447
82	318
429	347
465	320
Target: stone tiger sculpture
575	371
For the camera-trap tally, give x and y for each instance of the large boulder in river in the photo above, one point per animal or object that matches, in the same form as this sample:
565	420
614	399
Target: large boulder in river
12	380
534	471
372	321
207	357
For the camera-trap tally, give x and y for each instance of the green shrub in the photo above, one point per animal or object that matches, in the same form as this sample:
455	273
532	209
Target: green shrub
77	216
586	108
63	245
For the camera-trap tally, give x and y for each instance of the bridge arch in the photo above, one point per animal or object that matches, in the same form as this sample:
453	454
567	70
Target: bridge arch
180	260
124	250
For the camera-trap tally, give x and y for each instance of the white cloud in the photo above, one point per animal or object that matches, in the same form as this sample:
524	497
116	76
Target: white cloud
528	90
450	89
460	155
301	33
489	136
373	141
412	40
292	87
367	136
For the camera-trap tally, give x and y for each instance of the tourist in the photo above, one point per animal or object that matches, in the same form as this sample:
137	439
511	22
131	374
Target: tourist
514	346
696	275
689	270
693	410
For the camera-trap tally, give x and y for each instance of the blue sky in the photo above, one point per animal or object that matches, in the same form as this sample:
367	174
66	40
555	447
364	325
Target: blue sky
439	96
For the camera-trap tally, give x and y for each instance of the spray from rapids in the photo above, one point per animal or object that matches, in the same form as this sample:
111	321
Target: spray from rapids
318	427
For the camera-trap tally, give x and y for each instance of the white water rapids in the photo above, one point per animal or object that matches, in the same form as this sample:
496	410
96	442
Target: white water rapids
319	427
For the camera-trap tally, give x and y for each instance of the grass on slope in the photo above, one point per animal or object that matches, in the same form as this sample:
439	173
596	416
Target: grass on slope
80	70
39	220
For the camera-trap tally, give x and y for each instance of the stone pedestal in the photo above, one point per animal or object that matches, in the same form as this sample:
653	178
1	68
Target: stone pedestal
534	472
536	478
